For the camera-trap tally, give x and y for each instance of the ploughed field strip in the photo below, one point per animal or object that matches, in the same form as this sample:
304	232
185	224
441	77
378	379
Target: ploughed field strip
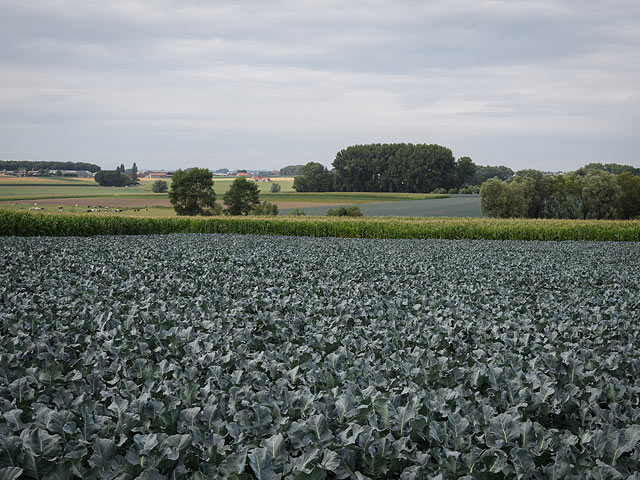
224	356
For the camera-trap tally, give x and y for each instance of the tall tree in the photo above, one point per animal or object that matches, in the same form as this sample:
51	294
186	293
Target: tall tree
315	178
191	192
242	197
134	173
538	188
503	199
630	201
566	199
601	195
491	197
485	172
111	178
291	170
465	171
396	167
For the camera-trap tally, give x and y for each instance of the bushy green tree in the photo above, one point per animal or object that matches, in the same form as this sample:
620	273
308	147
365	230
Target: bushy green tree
159	186
395	167
275	188
242	197
485	172
291	170
566	199
614	168
601	195
503	199
630	201
191	192
315	178
538	187
112	178
465	171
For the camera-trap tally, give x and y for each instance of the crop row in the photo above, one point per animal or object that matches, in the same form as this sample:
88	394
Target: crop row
24	224
239	356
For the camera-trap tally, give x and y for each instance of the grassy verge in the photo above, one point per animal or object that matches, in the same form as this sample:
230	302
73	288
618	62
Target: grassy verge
25	224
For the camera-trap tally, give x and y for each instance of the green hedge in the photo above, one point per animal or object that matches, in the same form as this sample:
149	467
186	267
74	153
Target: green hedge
27	224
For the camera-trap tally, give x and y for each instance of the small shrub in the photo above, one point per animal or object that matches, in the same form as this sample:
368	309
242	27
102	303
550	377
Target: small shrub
215	210
352	211
297	212
452	191
275	187
469	189
160	186
265	208
439	190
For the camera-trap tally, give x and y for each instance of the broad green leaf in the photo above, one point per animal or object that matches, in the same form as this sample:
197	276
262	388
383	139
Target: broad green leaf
21	390
10	473
103	451
14	419
41	443
260	462
319	428
175	445
307	461
275	446
145	443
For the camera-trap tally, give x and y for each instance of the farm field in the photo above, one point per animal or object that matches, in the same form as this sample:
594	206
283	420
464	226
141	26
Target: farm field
228	356
452	206
49	193
33	188
149	221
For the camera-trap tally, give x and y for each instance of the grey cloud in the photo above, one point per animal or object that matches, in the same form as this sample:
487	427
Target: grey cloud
349	71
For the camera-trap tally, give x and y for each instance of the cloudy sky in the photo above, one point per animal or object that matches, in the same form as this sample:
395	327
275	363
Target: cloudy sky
255	84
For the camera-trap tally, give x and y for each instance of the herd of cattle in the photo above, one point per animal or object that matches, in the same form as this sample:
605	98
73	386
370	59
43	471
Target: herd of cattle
90	208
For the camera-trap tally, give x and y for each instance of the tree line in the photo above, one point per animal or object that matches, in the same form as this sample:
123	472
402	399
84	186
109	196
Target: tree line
117	177
397	167
596	191
34	166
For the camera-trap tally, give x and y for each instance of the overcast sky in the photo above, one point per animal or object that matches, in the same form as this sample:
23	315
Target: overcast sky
262	84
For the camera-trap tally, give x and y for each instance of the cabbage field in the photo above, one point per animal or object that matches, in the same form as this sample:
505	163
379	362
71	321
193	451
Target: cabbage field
255	357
